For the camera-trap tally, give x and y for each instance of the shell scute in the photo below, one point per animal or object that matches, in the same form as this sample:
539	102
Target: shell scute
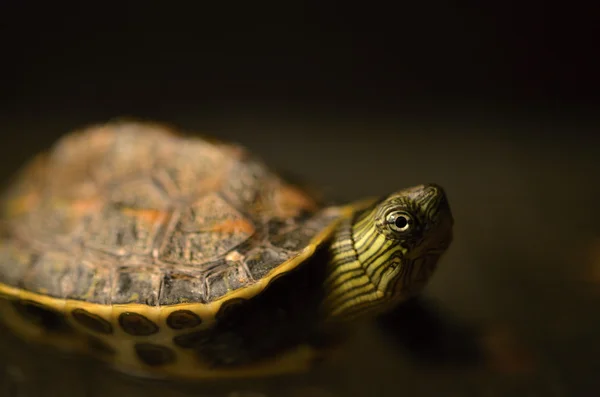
15	260
57	220
191	169
261	261
91	281
298	236
181	287
106	152
131	212
56	263
129	222
248	186
136	284
139	194
228	277
207	229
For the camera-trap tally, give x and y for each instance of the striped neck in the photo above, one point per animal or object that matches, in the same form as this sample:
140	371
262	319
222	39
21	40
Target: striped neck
358	282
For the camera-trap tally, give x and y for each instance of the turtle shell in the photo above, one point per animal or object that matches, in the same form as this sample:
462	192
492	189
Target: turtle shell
131	213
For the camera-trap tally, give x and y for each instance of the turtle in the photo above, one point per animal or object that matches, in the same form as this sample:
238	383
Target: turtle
167	253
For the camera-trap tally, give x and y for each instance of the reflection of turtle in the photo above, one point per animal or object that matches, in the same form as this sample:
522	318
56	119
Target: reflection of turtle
159	253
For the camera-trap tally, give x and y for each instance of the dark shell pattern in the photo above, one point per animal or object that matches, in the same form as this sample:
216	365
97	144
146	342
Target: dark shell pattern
130	212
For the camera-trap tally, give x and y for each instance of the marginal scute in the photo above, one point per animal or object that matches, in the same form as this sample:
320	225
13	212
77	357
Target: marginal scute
136	284
92	321
230	276
183	319
137	325
295	239
180	287
91	281
154	355
262	261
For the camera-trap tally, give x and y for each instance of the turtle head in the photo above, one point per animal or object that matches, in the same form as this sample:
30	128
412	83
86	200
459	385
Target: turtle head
388	251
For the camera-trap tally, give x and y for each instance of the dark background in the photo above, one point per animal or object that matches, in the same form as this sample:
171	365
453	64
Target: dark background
497	102
154	60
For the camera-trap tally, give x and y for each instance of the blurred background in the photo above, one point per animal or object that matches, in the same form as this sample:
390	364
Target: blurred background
497	102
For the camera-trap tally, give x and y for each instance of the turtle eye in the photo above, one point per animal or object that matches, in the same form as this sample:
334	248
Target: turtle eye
399	221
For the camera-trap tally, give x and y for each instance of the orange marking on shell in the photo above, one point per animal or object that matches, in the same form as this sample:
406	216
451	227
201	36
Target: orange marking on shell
242	278
99	136
237	151
291	200
78	145
21	204
232	226
84	206
147	215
